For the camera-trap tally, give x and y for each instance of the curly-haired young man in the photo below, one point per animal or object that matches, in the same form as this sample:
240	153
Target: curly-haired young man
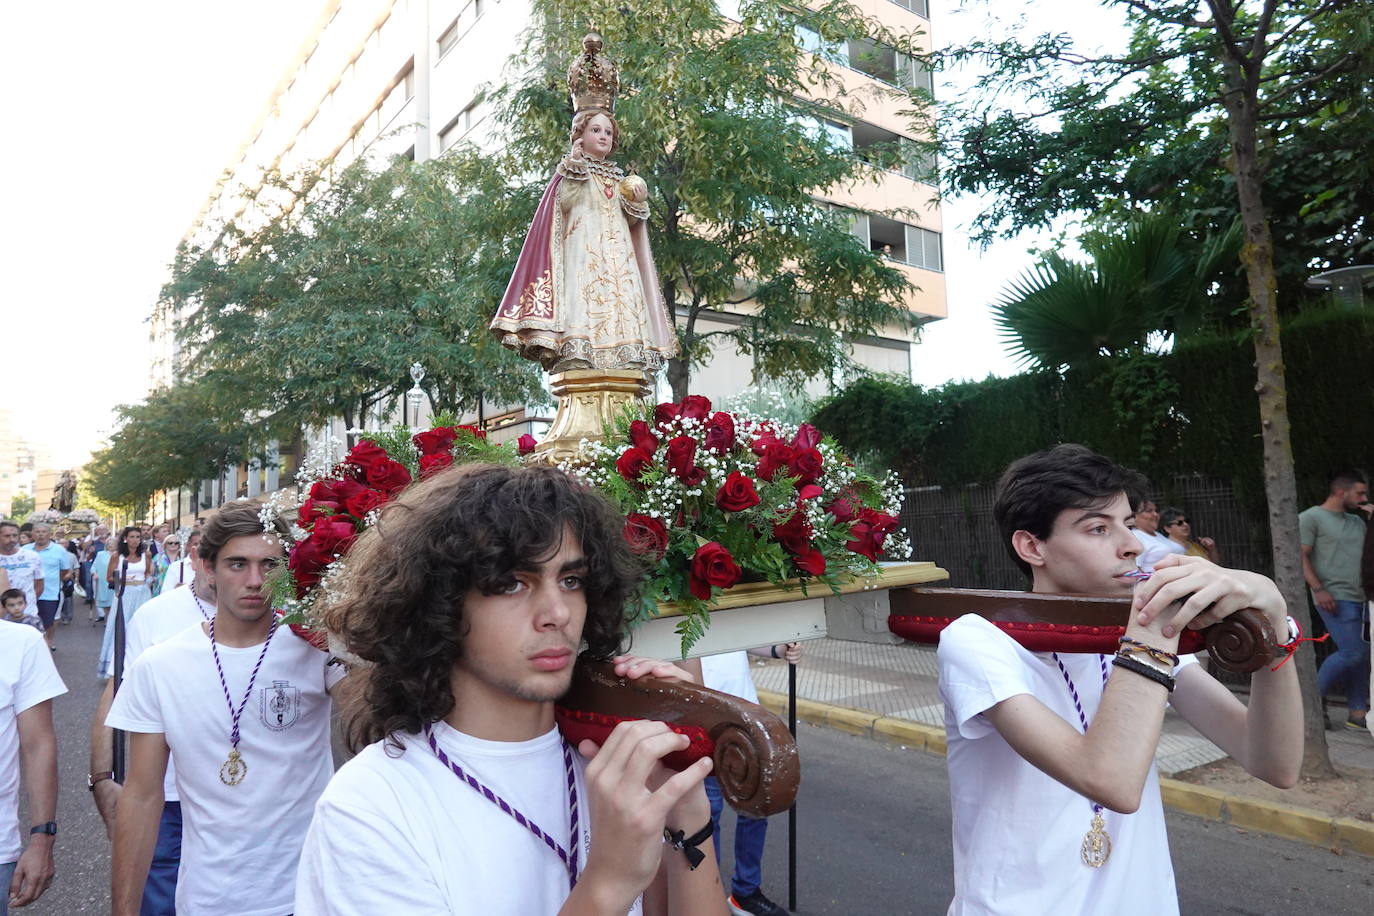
1051	755
472	599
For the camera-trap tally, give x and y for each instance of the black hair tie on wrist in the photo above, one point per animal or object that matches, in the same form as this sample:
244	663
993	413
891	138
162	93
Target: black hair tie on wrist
774	649
689	845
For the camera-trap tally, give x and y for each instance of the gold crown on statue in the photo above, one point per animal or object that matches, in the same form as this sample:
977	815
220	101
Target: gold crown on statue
593	78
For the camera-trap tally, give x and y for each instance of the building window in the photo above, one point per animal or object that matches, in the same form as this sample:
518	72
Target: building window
898	241
808	39
463	122
460	25
919	7
924	248
886	64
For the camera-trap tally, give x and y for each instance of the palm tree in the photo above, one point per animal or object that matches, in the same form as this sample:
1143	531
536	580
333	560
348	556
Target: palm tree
1146	280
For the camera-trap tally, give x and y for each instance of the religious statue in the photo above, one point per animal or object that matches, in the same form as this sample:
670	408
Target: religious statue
64	494
585	294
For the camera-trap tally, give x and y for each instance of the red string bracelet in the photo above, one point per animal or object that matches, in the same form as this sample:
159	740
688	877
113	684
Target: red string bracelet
1292	646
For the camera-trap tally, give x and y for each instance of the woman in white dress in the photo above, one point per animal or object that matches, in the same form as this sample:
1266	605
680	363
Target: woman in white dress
130	569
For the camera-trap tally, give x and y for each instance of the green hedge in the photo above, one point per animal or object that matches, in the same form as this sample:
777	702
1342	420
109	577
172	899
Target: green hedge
1193	410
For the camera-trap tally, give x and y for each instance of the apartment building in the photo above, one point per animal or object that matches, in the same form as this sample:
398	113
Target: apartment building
405	76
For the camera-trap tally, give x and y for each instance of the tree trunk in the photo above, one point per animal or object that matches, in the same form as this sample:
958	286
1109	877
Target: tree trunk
679	377
1280	483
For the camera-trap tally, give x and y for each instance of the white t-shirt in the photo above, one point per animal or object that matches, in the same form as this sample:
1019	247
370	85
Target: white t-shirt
158	620
24	567
401	833
1017	830
729	673
27	678
1153	548
179	575
239	844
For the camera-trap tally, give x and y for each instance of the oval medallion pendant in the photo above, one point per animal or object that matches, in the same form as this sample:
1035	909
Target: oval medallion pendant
234	769
1097	845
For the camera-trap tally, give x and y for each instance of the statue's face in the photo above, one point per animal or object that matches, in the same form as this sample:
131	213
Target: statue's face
598	136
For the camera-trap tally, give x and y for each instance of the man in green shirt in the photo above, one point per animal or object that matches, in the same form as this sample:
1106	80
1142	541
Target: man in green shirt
1333	535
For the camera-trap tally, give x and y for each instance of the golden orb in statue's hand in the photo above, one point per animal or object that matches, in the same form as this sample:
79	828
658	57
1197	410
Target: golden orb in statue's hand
633	189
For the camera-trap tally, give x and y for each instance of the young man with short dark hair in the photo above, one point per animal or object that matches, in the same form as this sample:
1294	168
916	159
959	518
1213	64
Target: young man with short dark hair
1333	535
471	600
1051	755
244	705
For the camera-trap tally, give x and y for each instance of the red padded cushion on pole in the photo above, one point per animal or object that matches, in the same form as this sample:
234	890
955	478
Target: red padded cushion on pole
1037	637
577	725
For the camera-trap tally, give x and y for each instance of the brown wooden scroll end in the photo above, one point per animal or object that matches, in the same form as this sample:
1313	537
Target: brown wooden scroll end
755	757
1241	643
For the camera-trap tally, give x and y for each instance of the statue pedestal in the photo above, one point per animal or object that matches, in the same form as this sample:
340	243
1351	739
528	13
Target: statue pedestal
588	400
761	614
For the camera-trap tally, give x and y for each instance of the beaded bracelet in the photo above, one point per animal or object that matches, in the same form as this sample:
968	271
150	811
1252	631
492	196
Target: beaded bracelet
1145	671
1159	655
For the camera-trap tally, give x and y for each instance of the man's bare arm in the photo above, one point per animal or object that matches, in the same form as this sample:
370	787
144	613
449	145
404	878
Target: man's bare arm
106	792
38	756
137	820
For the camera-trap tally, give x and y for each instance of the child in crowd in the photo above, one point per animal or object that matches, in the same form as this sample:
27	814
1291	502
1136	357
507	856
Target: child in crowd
16	607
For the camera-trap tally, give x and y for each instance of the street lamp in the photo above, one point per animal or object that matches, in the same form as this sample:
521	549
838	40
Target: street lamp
1346	284
416	395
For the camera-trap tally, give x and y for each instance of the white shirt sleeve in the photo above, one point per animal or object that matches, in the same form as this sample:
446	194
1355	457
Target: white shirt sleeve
358	863
136	707
979	668
38	677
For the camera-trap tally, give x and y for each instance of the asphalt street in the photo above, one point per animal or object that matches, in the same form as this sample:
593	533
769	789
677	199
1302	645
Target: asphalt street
873	832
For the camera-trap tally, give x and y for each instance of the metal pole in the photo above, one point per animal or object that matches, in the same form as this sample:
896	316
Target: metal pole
118	757
792	811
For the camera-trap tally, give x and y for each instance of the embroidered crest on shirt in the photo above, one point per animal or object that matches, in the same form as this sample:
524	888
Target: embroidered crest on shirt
281	705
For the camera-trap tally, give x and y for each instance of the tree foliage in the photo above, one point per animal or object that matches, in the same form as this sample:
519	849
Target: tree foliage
1146	280
319	312
721	123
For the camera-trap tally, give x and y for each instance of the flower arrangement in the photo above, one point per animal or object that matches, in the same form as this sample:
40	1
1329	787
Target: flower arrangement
343	498
712	498
45	517
84	516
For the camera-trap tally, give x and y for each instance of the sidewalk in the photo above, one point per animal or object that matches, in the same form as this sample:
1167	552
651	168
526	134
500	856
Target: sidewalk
898	683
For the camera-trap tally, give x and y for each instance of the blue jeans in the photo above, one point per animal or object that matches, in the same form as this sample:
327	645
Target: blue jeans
6	876
160	893
750	833
1349	664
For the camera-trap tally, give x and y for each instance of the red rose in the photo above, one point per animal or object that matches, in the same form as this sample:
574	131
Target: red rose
646	535
682	455
712	565
388	476
664	414
364	502
807	436
526	444
764	436
431	464
806	465
643	438
809	491
433	441
861	534
334	534
335	491
845	508
695	407
720	432
632	463
810	562
794	534
365	454
312	509
776	457
881	521
307	562
476	433
737	493
693	478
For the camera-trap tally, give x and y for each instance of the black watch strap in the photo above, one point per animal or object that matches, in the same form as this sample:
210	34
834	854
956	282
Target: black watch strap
689	845
50	828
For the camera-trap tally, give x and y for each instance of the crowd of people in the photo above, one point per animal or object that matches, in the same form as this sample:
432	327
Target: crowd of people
458	621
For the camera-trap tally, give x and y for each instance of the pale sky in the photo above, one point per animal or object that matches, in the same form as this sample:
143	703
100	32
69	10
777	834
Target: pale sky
120	116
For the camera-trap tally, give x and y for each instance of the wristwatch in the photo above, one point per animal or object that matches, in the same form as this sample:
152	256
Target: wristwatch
50	828
95	778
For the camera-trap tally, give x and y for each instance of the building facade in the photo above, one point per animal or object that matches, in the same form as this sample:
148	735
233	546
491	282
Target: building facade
386	77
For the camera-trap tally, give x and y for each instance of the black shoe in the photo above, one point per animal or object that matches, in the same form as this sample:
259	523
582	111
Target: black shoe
755	904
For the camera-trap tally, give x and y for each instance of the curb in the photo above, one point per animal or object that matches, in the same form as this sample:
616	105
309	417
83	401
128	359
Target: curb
1344	834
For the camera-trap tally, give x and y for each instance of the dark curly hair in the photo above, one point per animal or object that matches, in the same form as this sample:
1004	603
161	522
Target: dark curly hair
1034	489
399	601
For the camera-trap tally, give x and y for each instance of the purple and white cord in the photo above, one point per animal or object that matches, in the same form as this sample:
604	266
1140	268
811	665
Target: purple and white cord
201	607
234	714
1077	703
570	861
